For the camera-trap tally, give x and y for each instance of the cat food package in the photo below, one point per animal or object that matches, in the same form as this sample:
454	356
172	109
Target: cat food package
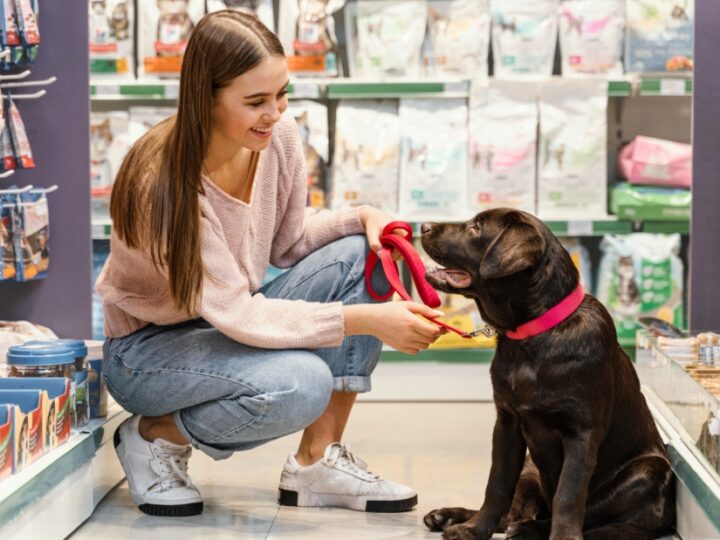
459	38
433	164
503	142
111	36
524	36
306	29
109	142
32	249
366	160
572	156
8	152
659	35
312	122
262	9
164	27
591	37
143	118
390	35
21	144
641	275
20	31
581	259
8	219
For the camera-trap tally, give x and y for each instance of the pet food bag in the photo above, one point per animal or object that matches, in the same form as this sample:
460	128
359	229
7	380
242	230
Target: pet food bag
659	35
20	31
312	122
164	27
433	165
651	203
390	35
524	36
572	177
659	162
307	31
581	259
111	36
8	219
32	249
109	142
18	136
591	37
141	119
366	160
641	275
459	37
503	142
262	9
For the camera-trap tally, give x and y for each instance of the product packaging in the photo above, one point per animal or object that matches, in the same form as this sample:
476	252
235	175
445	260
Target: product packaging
31	403
307	31
581	259
503	142
650	203
20	32
109	142
262	9
8	219
143	118
366	162
111	34
312	122
659	162
17	436
591	37
524	36
572	177
659	35
433	165
20	143
32	237
164	27
97	393
6	440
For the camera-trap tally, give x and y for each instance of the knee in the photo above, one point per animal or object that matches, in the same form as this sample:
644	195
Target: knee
352	250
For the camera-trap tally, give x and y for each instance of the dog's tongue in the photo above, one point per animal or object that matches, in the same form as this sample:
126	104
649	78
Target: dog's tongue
456	278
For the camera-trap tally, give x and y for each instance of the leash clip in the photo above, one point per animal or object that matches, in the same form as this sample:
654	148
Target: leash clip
486	330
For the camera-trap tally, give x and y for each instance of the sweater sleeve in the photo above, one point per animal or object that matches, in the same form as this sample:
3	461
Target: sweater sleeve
255	320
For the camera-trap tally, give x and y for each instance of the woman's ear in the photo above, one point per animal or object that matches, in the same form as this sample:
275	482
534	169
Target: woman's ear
519	246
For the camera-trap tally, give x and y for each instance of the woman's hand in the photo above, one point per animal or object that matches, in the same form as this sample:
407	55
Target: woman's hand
374	221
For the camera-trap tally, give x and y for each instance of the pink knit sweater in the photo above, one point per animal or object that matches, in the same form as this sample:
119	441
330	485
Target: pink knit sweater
238	241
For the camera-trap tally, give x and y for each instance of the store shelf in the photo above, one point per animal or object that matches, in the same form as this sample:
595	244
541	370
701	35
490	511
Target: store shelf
100	229
350	89
671	86
667	227
589	227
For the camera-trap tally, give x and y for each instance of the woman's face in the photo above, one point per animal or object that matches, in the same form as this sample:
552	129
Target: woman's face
245	111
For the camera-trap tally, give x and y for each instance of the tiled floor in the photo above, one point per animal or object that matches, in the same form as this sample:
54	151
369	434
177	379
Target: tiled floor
441	449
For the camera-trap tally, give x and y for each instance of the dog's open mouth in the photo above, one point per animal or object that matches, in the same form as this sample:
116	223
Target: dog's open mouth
458	279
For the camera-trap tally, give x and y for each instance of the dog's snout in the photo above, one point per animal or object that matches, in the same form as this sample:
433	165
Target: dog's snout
426	227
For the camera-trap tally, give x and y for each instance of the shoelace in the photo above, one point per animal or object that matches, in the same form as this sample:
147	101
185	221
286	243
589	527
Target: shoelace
343	456
171	468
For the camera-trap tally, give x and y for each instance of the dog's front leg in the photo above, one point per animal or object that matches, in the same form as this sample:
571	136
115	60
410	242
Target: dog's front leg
570	501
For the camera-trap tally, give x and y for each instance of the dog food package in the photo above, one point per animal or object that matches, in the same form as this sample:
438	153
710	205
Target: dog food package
8	221
659	35
111	35
433	165
164	27
312	122
109	142
366	160
503	140
262	9
307	31
581	259
459	37
524	36
21	144
591	37
390	36
640	275
32	243
572	157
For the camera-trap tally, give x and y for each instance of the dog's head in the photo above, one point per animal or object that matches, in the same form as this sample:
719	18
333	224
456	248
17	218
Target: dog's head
507	260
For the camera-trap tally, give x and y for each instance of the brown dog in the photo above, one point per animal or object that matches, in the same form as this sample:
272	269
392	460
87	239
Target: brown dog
597	468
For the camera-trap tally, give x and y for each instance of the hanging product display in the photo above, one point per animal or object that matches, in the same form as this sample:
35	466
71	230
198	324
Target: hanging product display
8	211
32	237
262	9
591	37
366	161
503	143
572	167
109	142
312	121
524	36
20	143
433	165
111	36
307	31
20	31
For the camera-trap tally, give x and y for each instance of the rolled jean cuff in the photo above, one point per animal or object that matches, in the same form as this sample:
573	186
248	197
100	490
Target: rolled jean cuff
215	453
352	384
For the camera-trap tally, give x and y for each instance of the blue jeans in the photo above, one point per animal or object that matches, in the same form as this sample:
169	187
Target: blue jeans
226	396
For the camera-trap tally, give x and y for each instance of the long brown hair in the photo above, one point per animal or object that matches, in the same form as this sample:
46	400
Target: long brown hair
154	204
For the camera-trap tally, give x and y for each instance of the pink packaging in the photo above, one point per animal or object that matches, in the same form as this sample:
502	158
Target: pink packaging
656	161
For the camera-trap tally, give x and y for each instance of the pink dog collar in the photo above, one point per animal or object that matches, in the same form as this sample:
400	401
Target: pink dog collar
551	318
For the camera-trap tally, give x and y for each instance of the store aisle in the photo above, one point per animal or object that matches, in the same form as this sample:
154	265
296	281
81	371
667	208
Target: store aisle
441	449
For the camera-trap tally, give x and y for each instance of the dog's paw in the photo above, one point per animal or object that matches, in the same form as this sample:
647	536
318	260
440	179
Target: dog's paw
439	520
528	530
463	531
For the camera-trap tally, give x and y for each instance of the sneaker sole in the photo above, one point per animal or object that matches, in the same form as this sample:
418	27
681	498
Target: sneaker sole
292	498
164	510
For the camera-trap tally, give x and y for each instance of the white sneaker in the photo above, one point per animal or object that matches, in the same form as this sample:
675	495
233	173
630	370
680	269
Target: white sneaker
340	479
156	472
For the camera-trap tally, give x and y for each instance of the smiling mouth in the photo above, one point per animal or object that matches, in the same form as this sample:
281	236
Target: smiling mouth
457	279
262	131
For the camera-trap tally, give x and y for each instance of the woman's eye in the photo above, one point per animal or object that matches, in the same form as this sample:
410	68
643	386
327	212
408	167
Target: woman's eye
256	104
282	94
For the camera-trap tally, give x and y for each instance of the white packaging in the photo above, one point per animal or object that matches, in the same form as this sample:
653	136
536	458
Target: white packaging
591	37
143	118
572	156
503	143
459	33
262	9
433	166
109	142
307	31
164	27
524	36
111	37
312	122
366	160
390	35
580	257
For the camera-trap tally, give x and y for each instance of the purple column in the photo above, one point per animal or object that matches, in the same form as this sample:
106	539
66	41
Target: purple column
58	129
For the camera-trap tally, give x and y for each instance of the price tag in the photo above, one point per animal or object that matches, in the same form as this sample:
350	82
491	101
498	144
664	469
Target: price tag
672	87
306	90
107	90
172	90
580	228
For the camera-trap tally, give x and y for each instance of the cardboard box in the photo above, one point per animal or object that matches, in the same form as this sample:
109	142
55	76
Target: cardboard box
6	440
19	436
31	404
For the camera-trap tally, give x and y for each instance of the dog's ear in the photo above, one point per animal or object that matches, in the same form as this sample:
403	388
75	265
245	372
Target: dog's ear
518	247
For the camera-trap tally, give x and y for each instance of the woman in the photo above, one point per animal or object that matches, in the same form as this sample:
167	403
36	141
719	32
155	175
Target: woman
197	349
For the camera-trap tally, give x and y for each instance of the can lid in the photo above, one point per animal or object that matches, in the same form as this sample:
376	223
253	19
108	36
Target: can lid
39	355
77	346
